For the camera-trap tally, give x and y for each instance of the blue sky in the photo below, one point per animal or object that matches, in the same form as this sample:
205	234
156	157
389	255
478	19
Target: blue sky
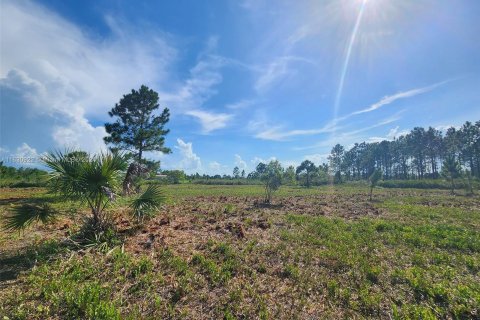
246	81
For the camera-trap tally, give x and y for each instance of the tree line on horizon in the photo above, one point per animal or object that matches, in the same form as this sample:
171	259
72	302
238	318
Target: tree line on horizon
419	154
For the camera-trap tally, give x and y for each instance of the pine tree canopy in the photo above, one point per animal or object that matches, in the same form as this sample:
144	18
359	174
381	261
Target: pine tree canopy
136	128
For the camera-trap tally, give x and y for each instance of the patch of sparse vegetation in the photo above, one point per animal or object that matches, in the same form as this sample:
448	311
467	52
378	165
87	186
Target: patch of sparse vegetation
322	252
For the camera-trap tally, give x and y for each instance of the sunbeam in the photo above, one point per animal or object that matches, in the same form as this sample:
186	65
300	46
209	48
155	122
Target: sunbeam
346	61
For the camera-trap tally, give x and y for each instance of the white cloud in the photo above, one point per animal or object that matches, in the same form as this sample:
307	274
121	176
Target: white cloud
215	166
278	134
210	121
263	129
24	156
198	88
68	76
401	95
242	104
317	158
240	163
80	134
67	62
276	70
189	161
73	77
256	160
26	151
396	132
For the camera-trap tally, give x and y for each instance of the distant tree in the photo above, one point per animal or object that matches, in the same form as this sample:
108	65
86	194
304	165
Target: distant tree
417	141
320	177
335	158
236	172
307	167
175	176
11	175
252	175
434	145
260	169
290	176
469	138
136	128
243	174
451	170
373	180
272	178
323	167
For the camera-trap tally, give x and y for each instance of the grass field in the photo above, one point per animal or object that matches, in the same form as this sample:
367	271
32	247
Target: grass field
218	252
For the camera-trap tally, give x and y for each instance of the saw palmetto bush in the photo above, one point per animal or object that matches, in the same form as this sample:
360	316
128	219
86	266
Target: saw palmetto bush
93	180
143	207
89	179
26	214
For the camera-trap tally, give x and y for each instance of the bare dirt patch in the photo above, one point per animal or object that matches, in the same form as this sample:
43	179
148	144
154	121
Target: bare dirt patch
186	225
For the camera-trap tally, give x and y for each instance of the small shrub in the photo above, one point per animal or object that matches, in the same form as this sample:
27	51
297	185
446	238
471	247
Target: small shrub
272	179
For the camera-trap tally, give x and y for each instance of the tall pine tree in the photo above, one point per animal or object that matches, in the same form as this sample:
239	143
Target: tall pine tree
136	128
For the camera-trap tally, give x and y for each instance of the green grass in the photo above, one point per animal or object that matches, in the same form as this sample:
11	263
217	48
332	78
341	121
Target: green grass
378	260
417	258
180	191
460	184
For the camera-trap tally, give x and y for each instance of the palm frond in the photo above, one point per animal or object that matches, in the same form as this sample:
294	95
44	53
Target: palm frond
67	168
147	202
76	175
24	215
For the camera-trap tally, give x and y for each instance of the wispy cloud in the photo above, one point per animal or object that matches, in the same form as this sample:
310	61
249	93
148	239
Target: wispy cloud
401	95
392	134
197	88
381	123
278	133
276	70
210	121
352	136
239	105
